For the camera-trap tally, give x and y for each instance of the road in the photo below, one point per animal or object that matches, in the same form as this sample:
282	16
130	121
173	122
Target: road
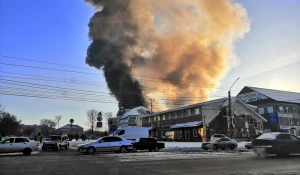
143	163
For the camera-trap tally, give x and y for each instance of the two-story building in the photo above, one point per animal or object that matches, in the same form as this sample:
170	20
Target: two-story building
70	129
193	122
280	108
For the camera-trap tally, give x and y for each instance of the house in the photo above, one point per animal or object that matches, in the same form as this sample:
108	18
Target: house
132	117
70	129
281	109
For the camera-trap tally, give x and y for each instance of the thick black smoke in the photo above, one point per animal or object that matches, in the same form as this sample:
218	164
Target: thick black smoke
112	33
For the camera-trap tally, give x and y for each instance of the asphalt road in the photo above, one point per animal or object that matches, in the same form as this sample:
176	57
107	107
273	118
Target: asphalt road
70	162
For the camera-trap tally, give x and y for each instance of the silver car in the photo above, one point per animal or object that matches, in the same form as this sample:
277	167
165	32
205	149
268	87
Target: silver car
19	144
220	143
106	144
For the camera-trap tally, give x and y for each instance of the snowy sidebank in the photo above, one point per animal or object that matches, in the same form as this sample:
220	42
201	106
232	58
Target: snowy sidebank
241	145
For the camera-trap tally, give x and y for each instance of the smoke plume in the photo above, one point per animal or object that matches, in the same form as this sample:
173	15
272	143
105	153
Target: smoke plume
188	45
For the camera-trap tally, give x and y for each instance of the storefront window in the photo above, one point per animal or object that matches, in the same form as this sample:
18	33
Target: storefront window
270	109
197	111
261	110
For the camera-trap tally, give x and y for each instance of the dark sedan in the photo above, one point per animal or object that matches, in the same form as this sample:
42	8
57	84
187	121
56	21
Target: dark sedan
281	144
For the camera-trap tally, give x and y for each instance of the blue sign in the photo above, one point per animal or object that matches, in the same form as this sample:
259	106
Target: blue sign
112	128
99	124
273	118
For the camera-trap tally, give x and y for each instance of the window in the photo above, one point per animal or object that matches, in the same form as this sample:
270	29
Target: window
281	109
149	119
261	110
158	118
288	110
174	115
154	119
181	114
194	132
270	109
121	132
115	139
224	139
188	112
291	121
131	119
170	116
281	120
293	137
19	140
197	111
163	117
10	140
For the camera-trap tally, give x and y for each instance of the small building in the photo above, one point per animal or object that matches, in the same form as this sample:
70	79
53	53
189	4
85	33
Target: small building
281	109
69	129
132	117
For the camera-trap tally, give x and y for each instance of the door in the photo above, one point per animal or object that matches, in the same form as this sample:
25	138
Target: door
115	144
7	145
20	144
294	144
102	144
290	142
224	143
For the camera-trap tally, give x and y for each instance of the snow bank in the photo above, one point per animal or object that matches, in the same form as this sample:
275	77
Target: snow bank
74	144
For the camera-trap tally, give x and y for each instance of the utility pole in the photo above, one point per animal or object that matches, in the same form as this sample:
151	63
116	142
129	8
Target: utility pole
151	101
229	109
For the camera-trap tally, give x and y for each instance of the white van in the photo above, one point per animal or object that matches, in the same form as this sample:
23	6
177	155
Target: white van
132	133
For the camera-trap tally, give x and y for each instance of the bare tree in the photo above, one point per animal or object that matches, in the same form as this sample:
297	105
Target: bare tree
91	119
57	118
47	125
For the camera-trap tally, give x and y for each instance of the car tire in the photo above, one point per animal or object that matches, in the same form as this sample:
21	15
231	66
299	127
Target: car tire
215	147
123	149
91	150
134	149
150	150
156	149
27	151
232	147
67	146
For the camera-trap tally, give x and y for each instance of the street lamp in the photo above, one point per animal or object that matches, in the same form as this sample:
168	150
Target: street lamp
151	100
229	108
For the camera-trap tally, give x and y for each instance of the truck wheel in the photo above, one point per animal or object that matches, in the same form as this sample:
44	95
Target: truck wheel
232	147
27	151
215	147
156	149
91	150
134	149
123	149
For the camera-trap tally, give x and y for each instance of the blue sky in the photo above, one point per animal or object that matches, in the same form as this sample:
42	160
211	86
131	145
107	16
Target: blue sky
269	55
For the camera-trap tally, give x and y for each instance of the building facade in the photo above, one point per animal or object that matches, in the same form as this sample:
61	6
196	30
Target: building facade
281	109
199	121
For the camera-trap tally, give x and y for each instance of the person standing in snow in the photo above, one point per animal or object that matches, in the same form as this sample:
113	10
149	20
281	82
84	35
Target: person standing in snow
2	137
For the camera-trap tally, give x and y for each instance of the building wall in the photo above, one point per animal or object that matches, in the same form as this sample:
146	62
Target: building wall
210	111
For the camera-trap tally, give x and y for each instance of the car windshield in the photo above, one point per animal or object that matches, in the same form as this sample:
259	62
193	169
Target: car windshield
55	138
268	136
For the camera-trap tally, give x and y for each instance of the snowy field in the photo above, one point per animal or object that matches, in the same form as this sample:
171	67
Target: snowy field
241	145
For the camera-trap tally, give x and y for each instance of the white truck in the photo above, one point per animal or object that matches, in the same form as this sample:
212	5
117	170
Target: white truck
132	133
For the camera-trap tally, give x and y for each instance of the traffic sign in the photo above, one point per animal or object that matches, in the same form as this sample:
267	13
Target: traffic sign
99	124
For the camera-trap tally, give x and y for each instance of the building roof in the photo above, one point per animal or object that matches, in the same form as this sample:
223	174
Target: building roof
187	125
137	111
189	106
278	95
68	126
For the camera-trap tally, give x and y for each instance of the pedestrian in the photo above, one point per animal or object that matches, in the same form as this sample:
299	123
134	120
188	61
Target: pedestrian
2	137
38	137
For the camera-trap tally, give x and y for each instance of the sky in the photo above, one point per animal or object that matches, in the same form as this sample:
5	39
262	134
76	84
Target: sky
268	56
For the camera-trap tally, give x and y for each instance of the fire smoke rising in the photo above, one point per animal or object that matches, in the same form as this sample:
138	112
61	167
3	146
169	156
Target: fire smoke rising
190	42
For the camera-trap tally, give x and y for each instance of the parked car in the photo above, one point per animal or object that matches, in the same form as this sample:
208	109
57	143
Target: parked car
217	136
281	144
248	145
106	144
19	144
149	144
132	133
220	143
56	142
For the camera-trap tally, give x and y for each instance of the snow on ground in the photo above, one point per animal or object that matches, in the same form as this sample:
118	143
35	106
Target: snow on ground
241	145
